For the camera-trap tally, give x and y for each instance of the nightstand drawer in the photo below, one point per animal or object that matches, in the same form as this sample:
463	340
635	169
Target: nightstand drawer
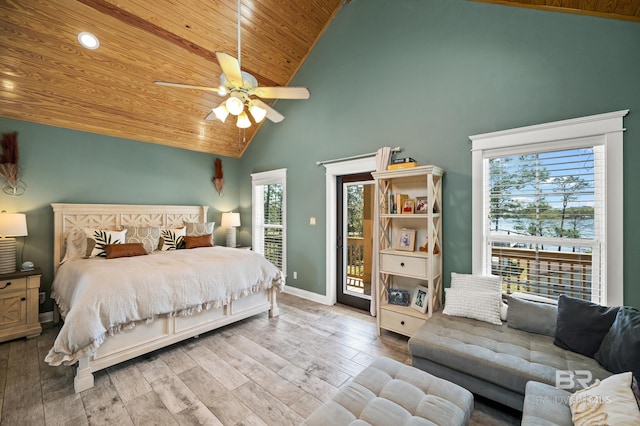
13	284
403	265
403	324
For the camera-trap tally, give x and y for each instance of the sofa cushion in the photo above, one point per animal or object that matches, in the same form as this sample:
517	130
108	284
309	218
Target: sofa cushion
620	348
533	317
582	325
497	354
545	405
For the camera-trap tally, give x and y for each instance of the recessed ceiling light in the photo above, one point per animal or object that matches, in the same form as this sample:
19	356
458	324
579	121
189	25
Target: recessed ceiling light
88	40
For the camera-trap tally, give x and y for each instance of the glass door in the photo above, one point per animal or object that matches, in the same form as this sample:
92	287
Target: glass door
355	239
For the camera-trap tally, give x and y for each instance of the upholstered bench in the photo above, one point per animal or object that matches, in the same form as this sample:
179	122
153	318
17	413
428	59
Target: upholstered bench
391	393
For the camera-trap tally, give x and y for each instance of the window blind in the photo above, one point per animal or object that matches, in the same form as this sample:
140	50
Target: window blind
545	222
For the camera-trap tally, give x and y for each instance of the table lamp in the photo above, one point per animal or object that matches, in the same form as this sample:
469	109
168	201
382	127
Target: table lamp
231	221
11	225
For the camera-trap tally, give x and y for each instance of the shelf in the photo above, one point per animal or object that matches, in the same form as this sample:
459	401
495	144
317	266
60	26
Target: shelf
405	253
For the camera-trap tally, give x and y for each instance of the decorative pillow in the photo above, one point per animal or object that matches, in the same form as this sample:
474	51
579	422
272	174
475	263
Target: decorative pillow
504	311
481	305
609	402
98	238
582	325
199	241
533	317
149	236
620	348
124	250
197	229
172	239
75	245
636	390
477	282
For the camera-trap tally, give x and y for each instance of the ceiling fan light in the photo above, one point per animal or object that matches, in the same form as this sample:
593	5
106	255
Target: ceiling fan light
257	113
234	105
222	91
221	112
243	121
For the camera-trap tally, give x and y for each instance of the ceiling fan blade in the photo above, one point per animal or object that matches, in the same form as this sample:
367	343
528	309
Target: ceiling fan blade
272	114
210	117
186	86
282	92
230	67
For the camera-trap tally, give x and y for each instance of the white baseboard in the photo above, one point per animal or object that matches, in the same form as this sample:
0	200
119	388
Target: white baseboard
309	295
45	317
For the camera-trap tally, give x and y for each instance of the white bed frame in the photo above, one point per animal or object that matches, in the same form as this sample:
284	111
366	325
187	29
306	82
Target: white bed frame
165	330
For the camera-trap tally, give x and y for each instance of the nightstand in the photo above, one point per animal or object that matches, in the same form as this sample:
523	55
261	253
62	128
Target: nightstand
19	304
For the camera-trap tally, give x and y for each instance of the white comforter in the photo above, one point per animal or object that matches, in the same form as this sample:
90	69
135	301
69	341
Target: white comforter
98	297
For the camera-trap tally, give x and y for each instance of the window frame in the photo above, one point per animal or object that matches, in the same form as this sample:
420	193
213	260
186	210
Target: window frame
270	177
607	129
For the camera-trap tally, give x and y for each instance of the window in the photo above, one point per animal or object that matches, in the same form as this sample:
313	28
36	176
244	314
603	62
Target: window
547	203
269	218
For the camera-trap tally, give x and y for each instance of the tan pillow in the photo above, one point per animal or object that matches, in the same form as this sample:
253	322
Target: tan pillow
199	241
124	250
609	401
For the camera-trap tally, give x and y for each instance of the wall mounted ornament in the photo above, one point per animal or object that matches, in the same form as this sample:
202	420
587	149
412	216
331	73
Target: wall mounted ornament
218	178
9	169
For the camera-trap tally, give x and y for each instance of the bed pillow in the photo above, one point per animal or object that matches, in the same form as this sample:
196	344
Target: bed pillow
620	348
75	245
197	229
114	251
149	236
98	238
172	239
198	241
582	325
609	401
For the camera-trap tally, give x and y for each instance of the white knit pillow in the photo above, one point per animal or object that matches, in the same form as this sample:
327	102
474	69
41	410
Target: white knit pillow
479	305
477	282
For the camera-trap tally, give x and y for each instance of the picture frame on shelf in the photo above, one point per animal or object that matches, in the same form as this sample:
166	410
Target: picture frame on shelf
406	240
419	301
422	205
408	206
398	297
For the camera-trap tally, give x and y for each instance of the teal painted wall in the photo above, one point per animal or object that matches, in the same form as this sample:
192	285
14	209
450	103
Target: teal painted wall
425	75
67	166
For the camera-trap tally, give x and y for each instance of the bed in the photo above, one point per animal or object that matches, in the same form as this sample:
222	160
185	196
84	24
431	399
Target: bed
117	309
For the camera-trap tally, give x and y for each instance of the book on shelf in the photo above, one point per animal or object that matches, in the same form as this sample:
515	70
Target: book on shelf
397	166
396	201
403	160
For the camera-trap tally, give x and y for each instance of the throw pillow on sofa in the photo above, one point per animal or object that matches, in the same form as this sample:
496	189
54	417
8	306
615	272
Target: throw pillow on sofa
606	402
474	296
620	348
582	325
534	317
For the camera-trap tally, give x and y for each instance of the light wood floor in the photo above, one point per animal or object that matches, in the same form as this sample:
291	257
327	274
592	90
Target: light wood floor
260	371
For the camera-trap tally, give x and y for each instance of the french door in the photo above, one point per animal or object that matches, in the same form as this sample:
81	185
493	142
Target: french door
355	207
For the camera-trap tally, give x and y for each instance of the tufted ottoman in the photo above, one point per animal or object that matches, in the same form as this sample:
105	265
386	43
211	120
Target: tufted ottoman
391	393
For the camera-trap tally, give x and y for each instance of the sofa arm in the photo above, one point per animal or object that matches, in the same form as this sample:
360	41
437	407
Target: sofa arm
545	405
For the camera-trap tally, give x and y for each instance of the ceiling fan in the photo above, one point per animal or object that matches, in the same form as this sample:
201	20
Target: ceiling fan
243	91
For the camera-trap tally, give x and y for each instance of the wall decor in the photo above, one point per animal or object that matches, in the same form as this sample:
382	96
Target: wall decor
218	178
9	169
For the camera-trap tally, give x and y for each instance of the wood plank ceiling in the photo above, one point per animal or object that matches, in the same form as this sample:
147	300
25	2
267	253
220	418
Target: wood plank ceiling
619	9
46	77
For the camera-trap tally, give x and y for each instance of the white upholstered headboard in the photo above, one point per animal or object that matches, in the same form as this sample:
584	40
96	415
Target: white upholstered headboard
68	217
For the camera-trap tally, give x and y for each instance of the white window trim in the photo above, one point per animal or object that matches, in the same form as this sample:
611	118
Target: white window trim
267	178
609	128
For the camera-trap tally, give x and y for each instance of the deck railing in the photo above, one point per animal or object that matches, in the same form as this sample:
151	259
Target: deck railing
355	258
544	272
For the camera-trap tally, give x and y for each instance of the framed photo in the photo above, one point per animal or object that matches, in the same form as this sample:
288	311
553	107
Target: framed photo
419	301
406	239
422	206
398	297
408	206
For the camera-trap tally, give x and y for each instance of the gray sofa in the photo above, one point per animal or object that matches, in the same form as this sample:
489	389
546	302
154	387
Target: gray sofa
497	361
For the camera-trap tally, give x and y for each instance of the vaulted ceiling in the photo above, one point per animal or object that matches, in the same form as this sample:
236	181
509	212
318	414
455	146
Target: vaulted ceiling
47	77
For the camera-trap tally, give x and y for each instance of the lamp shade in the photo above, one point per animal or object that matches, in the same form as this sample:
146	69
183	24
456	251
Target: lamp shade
230	219
14	225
